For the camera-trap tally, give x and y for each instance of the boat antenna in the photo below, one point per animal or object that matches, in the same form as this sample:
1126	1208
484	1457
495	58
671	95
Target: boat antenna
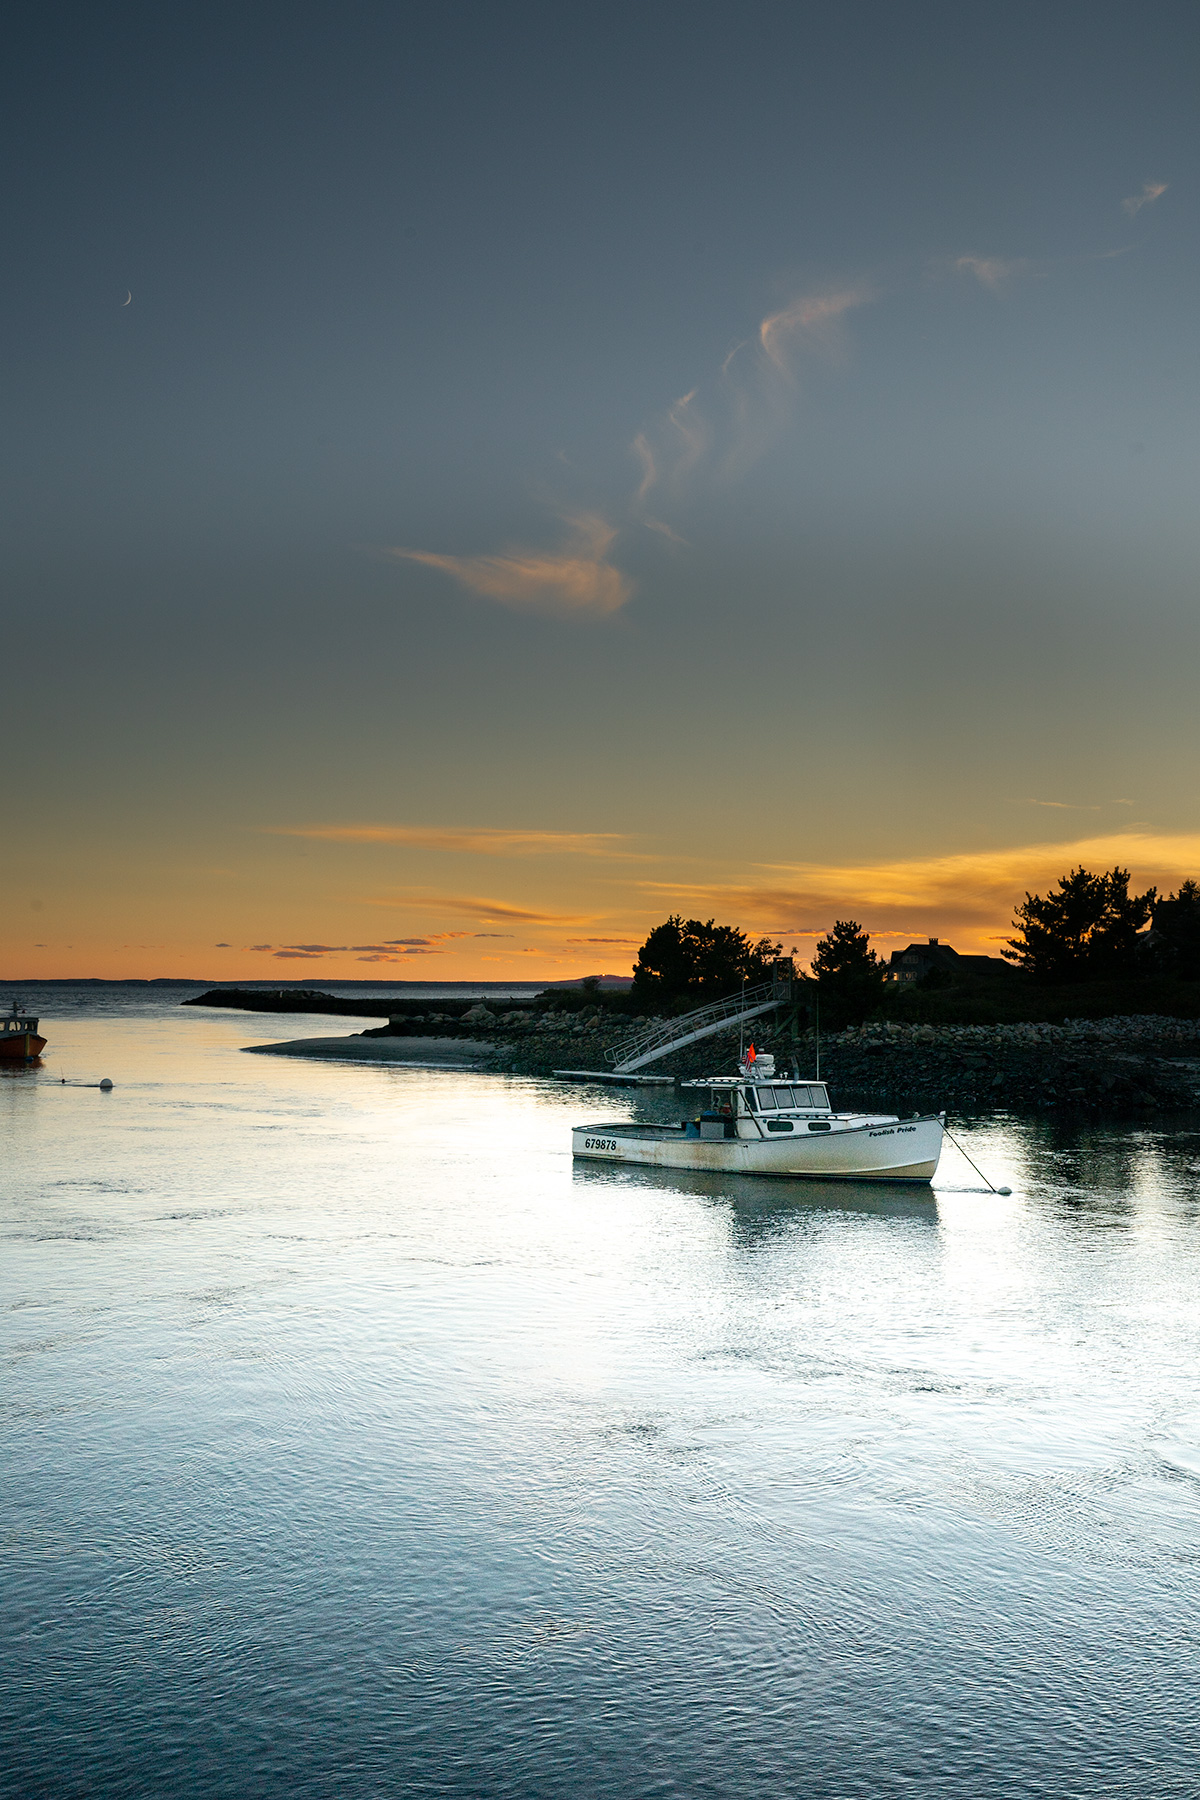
742	1023
817	1017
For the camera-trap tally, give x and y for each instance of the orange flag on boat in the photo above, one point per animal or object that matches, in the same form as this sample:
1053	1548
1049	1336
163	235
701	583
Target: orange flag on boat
751	1054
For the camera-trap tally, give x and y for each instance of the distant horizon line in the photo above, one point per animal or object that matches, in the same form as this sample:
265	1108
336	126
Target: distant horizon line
7	981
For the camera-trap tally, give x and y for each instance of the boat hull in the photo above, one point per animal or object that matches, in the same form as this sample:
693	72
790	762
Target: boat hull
905	1150
21	1046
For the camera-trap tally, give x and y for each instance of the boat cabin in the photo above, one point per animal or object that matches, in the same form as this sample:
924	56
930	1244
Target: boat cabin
773	1105
17	1021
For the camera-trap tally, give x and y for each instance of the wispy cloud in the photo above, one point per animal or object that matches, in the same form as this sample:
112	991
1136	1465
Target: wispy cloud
642	450
1151	191
1063	805
396	946
974	892
487	912
576	582
812	319
617	941
720	428
665	530
483	842
692	431
992	271
391	950
393	956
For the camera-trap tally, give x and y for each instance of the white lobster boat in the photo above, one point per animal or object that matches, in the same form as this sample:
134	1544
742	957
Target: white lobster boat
760	1123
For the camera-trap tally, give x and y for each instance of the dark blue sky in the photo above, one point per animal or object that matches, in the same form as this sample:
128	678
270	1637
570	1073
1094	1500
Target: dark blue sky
819	380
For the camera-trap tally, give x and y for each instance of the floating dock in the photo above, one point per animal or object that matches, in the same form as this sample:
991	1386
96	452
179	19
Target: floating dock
611	1078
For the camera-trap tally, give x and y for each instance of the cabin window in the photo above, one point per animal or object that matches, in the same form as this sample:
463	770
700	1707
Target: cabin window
819	1125
779	1124
751	1102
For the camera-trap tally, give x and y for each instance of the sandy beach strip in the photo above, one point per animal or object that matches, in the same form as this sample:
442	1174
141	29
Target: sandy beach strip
426	1052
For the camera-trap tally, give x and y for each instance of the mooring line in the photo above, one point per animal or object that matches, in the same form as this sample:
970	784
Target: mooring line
974	1165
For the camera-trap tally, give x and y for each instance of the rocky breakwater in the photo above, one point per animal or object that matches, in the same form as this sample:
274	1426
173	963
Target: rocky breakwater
1138	1064
528	1040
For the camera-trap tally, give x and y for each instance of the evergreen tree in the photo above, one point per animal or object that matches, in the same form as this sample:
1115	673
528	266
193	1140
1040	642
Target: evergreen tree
1085	929
849	974
688	959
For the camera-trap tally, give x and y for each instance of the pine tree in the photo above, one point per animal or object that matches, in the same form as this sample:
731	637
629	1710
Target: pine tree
1085	929
849	974
690	959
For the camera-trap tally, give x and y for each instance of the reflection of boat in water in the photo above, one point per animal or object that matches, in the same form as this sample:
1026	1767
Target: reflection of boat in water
758	1123
19	1040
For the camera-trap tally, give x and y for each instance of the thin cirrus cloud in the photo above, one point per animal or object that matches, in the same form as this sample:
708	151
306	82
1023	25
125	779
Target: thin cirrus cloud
392	949
617	941
992	271
485	911
715	431
975	891
719	430
576	582
392	956
812	320
385	952
483	842
1151	191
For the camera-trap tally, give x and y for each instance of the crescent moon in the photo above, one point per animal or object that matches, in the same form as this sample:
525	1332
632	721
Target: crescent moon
128	297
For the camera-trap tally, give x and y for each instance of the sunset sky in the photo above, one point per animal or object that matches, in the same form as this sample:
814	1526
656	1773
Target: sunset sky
559	466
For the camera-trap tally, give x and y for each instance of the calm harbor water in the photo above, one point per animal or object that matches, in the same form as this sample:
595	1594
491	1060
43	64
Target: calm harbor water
358	1445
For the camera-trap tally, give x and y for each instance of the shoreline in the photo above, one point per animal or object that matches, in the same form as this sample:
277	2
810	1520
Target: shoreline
443	1053
1127	1064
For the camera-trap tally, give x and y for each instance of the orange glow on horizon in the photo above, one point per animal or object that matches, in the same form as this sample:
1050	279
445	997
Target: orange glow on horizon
966	899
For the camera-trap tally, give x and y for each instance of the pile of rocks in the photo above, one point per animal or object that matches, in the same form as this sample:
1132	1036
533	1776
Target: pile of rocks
1139	1063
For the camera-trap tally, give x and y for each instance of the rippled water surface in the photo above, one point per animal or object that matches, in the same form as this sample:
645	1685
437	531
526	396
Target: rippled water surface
357	1445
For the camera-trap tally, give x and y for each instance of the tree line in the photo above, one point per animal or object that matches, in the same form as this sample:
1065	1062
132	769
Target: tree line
1089	927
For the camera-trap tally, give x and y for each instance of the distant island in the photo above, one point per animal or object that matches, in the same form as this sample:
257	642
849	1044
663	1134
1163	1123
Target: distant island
315	1000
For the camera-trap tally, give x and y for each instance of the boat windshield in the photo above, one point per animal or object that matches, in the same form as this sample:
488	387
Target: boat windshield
795	1097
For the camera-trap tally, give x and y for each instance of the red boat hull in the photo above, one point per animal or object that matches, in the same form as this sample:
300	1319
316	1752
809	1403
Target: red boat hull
21	1046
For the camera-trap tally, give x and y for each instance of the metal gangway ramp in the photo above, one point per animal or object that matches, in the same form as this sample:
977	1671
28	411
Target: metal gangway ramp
673	1034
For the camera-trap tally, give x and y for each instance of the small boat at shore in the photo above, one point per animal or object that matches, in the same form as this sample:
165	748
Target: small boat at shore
760	1123
19	1040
